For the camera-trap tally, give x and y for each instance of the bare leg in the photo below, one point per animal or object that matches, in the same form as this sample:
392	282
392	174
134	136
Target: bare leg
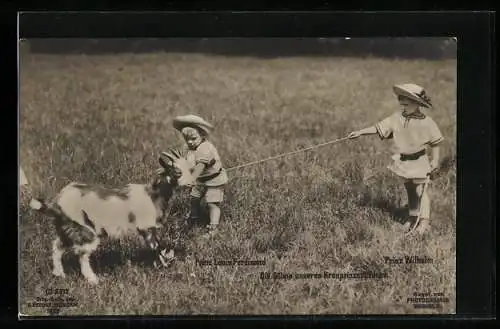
57	253
425	209
413	198
214	211
411	192
425	204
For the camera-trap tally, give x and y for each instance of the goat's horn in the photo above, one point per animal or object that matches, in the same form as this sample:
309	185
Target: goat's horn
175	152
172	152
167	155
162	162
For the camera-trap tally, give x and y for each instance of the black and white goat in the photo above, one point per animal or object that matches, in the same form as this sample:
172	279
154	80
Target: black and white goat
84	213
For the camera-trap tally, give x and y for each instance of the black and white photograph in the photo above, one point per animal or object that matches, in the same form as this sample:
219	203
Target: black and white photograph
237	176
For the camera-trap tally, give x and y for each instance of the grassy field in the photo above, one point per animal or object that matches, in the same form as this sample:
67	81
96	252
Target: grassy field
104	119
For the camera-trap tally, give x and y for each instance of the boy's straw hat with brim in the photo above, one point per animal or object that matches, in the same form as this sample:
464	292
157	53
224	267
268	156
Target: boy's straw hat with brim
413	92
194	121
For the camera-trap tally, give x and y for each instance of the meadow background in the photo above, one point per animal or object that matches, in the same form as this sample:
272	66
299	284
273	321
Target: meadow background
104	117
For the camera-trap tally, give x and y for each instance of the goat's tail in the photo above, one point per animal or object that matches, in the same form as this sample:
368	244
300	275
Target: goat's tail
41	206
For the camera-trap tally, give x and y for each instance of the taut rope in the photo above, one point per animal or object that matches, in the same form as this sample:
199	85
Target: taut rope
287	153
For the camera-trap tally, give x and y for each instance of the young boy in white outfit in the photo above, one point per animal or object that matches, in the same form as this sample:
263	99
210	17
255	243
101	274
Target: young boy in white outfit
412	131
208	171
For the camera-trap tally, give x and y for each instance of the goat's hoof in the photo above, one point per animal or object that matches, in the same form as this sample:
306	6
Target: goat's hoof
93	280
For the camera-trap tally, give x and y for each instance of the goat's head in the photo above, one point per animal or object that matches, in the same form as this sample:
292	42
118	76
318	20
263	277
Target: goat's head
176	168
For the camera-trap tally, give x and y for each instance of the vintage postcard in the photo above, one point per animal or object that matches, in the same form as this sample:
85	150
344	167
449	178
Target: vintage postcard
237	176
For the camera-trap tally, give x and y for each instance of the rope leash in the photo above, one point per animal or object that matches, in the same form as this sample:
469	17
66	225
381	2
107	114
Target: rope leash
287	153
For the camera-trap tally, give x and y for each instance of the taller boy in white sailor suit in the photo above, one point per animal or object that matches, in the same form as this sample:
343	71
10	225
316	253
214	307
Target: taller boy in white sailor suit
411	131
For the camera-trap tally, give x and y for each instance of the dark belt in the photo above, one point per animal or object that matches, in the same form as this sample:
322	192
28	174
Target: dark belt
413	156
209	177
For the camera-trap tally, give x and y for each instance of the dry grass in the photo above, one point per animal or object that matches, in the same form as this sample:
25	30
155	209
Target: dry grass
103	119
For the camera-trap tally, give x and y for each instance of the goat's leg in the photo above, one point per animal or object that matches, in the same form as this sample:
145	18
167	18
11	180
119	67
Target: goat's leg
57	253
84	253
86	269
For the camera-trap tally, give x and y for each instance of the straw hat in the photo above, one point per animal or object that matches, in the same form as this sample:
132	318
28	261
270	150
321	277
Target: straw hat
413	92
194	121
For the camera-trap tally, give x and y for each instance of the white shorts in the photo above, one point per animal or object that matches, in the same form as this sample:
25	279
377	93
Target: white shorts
210	194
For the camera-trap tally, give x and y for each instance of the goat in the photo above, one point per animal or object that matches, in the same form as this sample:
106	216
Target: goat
83	214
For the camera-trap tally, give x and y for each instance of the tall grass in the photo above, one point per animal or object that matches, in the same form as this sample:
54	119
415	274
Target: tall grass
104	119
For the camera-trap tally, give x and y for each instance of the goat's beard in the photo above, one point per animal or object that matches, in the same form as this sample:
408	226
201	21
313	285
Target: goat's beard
168	237
166	257
166	188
